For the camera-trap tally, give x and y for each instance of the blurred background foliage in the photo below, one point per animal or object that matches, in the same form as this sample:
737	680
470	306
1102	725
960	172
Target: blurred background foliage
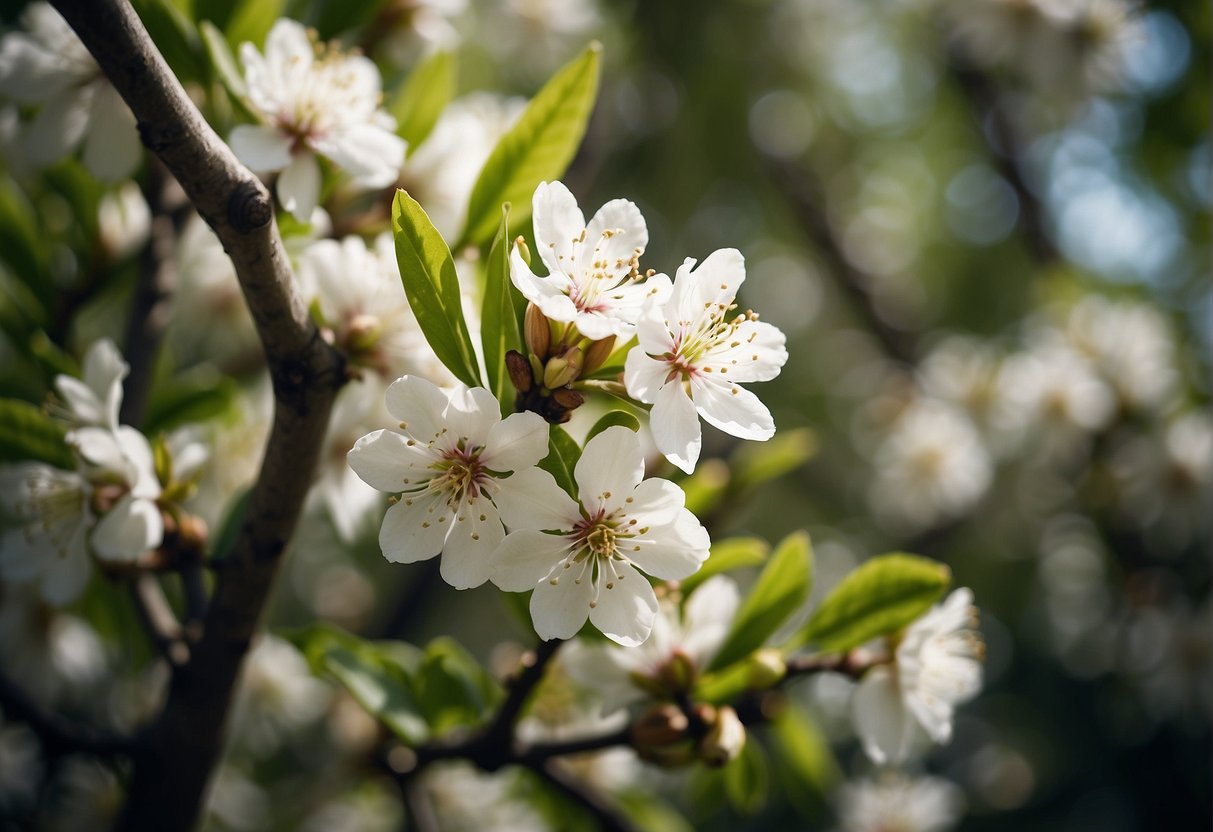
988	244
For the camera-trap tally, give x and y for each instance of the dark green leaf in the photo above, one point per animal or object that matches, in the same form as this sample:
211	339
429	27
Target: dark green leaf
878	598
26	433
561	460
174	34
727	555
747	779
432	287
610	420
782	587
537	148
499	332
419	102
223	64
452	689
805	759
188	398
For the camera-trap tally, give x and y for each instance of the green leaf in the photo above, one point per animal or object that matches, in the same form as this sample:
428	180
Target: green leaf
193	397
878	598
781	588
747	779
537	148
707	486
252	21
451	687
610	420
223	62
432	287
174	35
561	460
499	332
759	462
726	556
723	686
420	100
23	246
805	760
26	433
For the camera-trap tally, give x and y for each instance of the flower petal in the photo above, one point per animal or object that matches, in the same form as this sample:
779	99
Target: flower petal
100	447
419	405
467	557
371	154
643	376
559	607
262	148
610	468
525	558
880	718
548	293
675	426
386	461
519	441
626	608
67	575
470	414
411	531
615	235
299	186
655	502
759	354
58	128
531	499
126	531
707	616
86	408
112	149
671	552
558	223
104	370
732	409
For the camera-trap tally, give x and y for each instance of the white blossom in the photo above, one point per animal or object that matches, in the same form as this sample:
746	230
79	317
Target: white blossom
314	102
581	556
1054	389
95	400
593	276
693	357
937	666
124	221
47	545
47	65
120	462
56	655
1131	345
904	804
692	634
278	694
446	461
931	466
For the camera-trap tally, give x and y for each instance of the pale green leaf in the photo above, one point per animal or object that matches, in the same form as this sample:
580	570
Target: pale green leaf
420	100
726	556
499	330
610	420
26	433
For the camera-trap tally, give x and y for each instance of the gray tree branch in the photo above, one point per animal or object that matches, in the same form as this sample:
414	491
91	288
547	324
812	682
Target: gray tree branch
171	772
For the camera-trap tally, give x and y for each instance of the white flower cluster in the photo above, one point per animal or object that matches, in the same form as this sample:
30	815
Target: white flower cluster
106	508
468	481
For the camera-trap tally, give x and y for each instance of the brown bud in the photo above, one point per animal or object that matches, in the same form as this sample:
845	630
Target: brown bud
568	399
538	331
678	673
520	371
597	354
660	726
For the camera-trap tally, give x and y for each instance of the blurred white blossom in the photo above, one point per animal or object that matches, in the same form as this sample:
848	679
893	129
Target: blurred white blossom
897	803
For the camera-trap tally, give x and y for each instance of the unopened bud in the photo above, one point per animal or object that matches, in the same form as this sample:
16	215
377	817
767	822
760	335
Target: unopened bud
678	673
538	331
520	371
766	668
104	497
568	399
659	727
597	354
364	332
523	249
724	740
562	369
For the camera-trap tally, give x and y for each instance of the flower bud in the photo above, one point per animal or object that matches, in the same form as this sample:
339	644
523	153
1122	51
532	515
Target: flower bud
538	331
659	727
724	740
520	371
562	369
597	354
364	332
523	249
766	668
568	399
678	673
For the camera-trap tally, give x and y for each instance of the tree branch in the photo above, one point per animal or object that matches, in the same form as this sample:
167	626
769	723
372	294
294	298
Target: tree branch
170	776
606	813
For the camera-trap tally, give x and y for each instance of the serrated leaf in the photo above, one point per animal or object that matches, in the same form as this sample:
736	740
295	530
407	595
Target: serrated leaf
427	271
537	148
252	21
726	556
747	780
878	598
610	420
499	332
782	587
420	100
805	759
26	433
561	460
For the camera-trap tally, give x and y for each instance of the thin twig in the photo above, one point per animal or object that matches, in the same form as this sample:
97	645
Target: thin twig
57	735
601	808
159	619
170	776
540	752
